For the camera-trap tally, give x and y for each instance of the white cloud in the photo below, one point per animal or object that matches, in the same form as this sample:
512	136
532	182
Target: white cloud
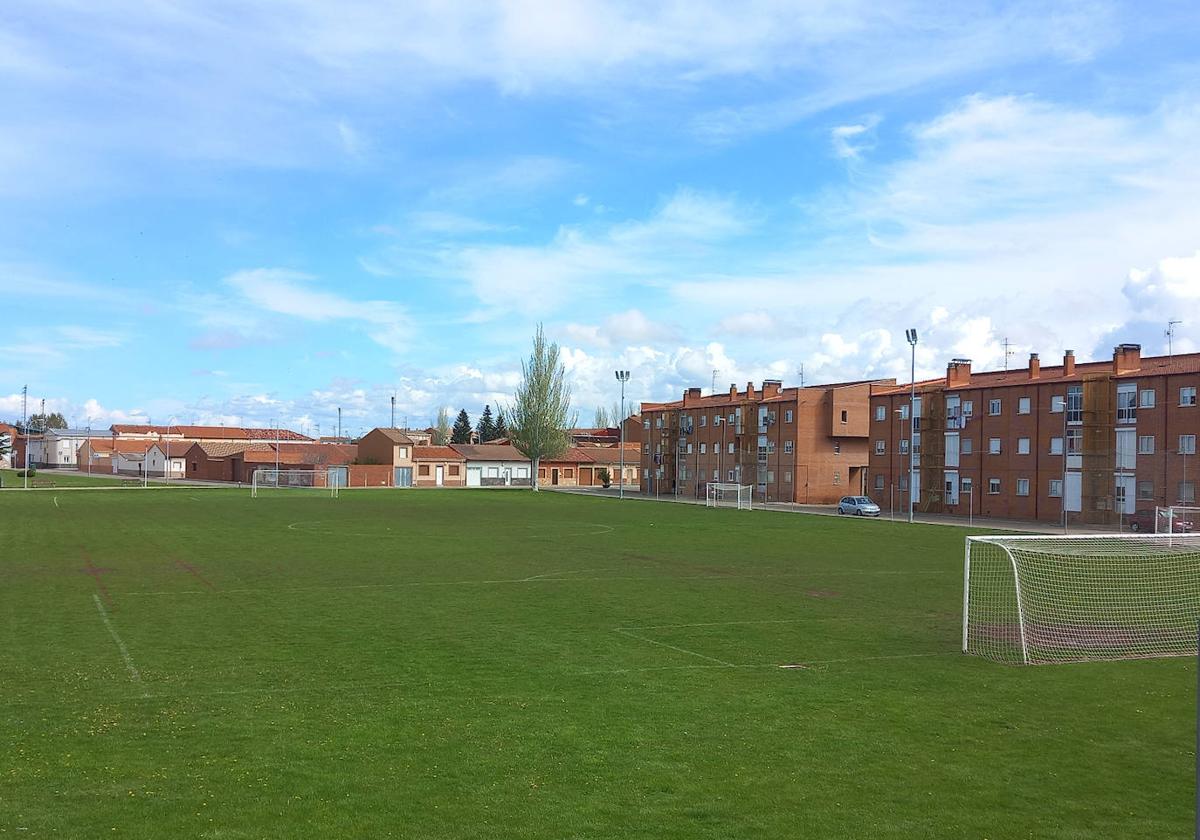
289	293
850	141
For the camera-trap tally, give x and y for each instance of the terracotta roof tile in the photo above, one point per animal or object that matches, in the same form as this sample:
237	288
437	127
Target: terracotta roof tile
435	453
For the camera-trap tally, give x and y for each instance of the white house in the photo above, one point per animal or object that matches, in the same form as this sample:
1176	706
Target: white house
494	465
58	448
158	454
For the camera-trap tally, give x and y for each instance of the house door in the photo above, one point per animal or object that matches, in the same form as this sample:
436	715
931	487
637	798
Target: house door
585	476
554	476
402	477
474	476
439	475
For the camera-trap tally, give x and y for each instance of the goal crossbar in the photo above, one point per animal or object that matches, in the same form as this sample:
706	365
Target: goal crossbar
272	479
1048	599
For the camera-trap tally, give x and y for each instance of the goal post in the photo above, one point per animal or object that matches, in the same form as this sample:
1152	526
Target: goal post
720	494
1176	519
273	479
1049	599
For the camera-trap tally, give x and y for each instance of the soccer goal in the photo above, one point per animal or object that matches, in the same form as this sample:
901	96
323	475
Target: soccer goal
730	495
1177	519
270	479
1033	600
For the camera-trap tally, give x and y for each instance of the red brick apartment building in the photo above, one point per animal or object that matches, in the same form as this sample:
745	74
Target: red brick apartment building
1103	439
804	445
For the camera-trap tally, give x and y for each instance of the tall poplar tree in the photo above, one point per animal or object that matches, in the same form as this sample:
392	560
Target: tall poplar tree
537	420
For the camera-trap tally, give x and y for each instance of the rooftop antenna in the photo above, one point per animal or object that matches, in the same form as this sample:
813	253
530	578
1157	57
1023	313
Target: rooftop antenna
393	412
714	381
801	375
1170	334
1008	351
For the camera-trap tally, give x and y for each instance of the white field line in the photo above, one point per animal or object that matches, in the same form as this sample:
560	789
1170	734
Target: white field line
625	632
559	575
56	502
129	666
752	621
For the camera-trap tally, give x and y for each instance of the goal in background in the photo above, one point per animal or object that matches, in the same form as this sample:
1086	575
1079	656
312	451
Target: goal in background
730	495
1177	519
270	479
1032	600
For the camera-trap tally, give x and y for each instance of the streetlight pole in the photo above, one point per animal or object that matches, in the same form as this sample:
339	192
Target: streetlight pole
622	377
167	450
911	335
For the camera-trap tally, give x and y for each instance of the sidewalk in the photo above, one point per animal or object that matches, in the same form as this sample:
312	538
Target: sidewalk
979	523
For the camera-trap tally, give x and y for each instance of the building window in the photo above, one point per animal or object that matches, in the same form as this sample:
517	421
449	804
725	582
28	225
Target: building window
1022	486
837	447
1056	488
1187	444
880	412
1127	402
967	486
716	475
689	449
1056	403
904	446
1056	446
1187	492
1074	404
703	420
730	447
1145	444
732	418
1146	398
787	416
966	446
993	446
845	415
1022	446
568	473
646	423
903	483
645	447
716	420
770	476
904	411
787	477
878	481
423	469
1187	396
703	448
1074	440
730	476
993	486
1145	490
993	407
880	447
454	469
837	477
658	422
1023	405
683	473
968	408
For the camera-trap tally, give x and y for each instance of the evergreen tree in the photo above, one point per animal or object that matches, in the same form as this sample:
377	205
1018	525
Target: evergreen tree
53	420
486	427
462	428
501	425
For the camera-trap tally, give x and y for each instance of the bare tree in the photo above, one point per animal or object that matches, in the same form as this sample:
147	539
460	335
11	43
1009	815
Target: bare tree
601	419
442	426
537	420
614	414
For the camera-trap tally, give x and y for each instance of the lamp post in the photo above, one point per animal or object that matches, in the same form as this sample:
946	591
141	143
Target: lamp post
622	377
167	450
911	336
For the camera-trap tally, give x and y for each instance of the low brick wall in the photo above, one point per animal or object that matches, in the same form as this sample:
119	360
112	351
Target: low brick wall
370	475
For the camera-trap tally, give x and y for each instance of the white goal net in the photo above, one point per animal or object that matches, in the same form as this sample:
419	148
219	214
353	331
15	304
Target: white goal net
1031	600
1176	519
730	495
271	479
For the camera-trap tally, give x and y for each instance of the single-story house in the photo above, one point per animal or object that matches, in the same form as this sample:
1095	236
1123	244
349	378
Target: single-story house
494	465
439	466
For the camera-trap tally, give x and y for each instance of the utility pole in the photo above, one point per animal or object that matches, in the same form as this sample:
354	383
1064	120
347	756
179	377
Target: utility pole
25	428
622	377
1170	334
801	376
911	335
393	425
714	383
339	424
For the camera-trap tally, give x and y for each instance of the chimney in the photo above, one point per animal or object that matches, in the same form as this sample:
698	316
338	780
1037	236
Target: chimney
749	390
732	391
771	388
1127	358
1035	366
691	394
958	372
1068	363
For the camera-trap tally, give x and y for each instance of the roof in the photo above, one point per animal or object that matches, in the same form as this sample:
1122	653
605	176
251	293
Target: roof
435	453
1148	366
209	432
225	448
79	433
488	452
118	445
394	435
724	399
612	454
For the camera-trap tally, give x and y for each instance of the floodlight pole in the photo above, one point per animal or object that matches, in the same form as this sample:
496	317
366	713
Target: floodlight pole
25	428
911	335
167	451
622	377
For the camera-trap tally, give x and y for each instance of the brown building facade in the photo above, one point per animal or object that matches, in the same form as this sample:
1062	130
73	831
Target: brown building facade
1104	441
806	445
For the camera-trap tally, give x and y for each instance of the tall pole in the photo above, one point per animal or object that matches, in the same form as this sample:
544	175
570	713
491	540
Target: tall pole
276	425
339	424
622	377
1064	461
25	429
393	412
911	335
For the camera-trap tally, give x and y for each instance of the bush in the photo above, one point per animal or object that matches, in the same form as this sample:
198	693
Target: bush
605	476
32	472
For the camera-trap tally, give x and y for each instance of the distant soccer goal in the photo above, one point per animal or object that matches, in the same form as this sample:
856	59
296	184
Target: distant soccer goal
730	495
324	481
1177	519
1032	600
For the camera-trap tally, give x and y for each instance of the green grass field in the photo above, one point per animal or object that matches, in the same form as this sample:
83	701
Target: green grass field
475	664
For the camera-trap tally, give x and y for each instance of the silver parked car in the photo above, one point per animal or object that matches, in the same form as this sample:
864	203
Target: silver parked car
857	505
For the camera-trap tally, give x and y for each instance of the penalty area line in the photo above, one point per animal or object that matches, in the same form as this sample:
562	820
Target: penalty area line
134	674
625	632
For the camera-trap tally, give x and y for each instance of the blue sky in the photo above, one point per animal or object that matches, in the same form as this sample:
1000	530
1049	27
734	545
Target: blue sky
239	212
